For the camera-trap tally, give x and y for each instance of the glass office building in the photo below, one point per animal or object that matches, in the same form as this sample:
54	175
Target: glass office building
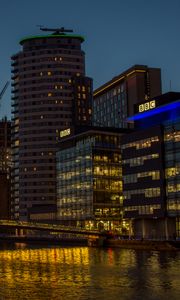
89	180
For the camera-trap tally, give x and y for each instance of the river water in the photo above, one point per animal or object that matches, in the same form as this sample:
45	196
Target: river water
80	273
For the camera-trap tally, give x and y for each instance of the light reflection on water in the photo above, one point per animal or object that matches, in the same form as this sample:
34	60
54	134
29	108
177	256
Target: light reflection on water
83	273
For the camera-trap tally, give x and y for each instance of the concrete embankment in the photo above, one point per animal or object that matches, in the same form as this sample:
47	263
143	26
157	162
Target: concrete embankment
143	244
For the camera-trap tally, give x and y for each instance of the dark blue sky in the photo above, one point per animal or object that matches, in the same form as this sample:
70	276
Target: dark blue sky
118	34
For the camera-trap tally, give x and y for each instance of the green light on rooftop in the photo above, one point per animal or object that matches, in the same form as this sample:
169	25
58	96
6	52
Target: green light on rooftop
72	36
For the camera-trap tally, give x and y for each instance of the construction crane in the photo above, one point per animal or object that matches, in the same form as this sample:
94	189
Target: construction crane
61	30
4	89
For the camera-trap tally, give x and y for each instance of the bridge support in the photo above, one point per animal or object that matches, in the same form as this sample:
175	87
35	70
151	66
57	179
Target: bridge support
96	241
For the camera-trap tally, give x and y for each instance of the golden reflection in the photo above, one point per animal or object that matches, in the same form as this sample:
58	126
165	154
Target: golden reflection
61	255
26	268
87	273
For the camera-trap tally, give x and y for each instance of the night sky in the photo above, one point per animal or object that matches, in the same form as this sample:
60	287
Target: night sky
118	34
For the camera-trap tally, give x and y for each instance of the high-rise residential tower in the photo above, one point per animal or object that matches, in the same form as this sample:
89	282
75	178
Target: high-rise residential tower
43	78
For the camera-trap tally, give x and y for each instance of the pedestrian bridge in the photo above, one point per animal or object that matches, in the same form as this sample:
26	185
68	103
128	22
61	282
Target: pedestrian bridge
10	224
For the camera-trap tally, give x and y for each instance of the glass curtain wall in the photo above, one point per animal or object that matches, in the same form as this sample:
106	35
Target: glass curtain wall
89	182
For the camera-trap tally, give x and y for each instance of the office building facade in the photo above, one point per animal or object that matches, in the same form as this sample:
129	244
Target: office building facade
114	101
151	168
89	180
43	77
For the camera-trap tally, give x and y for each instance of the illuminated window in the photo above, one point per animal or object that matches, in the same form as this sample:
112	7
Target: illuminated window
49	73
17	143
171	172
16	121
140	144
49	94
172	136
148	193
138	161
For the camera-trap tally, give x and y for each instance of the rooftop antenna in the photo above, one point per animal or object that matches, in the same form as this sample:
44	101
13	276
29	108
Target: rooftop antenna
170	85
60	30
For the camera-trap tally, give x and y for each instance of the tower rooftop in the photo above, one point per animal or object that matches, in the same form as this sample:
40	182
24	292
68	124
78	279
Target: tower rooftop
61	35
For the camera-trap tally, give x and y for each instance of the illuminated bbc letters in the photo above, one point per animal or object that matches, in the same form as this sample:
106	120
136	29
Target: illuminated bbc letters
65	132
147	106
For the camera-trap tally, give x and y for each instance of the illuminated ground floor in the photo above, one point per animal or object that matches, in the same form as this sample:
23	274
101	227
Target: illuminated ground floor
121	227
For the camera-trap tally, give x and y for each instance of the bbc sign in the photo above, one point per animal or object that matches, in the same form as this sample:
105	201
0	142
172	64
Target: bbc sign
147	106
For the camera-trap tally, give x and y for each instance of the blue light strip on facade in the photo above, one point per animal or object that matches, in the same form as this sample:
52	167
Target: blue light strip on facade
157	110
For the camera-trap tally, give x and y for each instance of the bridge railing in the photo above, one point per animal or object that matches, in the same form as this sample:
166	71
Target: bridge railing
37	225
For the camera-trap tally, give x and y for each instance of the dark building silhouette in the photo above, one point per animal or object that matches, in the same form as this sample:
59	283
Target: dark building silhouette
5	196
5	168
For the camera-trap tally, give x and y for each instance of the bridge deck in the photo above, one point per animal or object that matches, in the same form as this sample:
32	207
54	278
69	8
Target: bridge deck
47	227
